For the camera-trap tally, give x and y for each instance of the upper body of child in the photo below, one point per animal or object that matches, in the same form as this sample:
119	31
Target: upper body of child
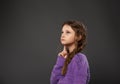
72	66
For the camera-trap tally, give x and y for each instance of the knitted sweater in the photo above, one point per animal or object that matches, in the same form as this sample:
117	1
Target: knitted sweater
78	71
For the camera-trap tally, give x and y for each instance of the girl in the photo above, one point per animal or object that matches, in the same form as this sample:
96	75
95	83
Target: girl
72	66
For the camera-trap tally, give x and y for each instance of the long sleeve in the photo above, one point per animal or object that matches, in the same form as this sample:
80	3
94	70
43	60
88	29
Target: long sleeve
81	73
77	73
56	72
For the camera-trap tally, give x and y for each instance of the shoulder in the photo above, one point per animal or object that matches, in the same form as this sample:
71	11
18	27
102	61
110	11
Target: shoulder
80	57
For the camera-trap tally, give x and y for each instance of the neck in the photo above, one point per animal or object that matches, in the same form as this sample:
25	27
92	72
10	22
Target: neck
71	47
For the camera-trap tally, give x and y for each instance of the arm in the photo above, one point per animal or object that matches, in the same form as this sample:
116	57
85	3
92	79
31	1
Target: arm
56	72
81	73
78	72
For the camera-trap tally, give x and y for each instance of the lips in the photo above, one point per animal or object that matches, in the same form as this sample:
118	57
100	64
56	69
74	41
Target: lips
62	39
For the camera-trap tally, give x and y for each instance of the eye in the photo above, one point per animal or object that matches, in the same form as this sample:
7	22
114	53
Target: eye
67	32
61	32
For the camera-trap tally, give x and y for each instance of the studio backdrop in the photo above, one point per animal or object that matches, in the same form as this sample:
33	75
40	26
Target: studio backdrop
30	32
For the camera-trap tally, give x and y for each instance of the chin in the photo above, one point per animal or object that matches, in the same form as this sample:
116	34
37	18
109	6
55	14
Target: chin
64	43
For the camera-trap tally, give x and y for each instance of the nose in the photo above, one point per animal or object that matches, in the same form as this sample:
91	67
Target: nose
62	35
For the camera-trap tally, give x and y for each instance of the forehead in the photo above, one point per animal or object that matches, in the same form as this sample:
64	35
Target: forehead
67	27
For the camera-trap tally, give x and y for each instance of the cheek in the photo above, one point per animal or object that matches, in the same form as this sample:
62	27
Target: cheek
72	39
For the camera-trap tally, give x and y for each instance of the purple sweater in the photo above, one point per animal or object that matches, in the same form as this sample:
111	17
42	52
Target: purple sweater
78	71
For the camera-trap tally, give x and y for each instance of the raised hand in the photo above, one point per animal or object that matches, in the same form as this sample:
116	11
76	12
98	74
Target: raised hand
64	52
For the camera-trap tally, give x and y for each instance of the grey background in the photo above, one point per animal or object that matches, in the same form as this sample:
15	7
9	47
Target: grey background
30	31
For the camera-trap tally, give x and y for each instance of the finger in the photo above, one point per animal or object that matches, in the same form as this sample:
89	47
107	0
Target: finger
64	49
60	54
65	56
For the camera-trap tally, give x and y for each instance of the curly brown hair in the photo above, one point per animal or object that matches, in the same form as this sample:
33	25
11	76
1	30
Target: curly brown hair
80	30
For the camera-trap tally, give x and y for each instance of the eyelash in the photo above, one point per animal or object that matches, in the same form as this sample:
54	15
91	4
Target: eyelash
66	32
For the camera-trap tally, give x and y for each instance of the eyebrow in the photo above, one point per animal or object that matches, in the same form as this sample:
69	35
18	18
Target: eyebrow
66	31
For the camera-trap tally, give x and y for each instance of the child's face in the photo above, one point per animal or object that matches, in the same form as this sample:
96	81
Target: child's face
67	35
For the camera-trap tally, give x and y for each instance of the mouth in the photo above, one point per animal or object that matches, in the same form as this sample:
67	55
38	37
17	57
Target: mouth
62	39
